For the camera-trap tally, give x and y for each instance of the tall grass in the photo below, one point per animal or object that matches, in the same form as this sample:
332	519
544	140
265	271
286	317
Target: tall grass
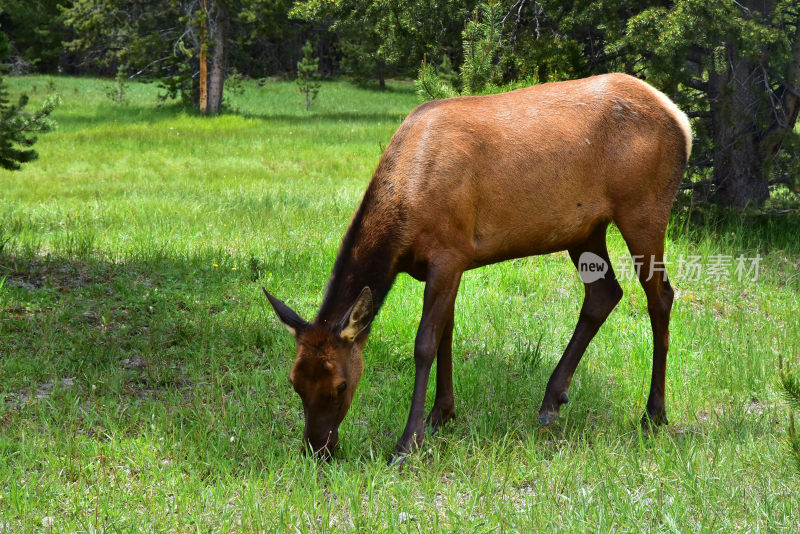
143	379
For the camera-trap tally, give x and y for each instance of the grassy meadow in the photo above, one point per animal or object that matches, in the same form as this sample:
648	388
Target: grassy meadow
143	376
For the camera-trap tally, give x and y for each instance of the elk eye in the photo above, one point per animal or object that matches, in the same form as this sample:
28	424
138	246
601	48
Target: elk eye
341	387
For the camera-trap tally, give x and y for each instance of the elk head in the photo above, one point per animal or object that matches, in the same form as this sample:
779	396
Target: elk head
327	368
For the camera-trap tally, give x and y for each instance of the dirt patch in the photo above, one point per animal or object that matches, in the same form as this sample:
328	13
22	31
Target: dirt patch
22	284
756	407
144	393
134	362
147	383
40	271
42	392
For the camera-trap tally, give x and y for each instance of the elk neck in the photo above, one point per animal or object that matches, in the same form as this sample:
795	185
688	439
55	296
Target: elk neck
367	257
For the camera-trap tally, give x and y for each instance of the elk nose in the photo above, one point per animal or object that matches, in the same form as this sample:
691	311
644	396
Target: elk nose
322	448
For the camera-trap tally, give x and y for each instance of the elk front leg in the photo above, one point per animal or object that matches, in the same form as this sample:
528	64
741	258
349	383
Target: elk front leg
437	308
444	406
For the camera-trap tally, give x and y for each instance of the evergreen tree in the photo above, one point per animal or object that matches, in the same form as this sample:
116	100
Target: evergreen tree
446	71
791	389
308	75
388	37
481	39
480	71
37	32
161	40
431	84
18	128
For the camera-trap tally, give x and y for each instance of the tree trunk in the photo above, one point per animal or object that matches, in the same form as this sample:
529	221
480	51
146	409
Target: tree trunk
381	79
735	97
216	79
203	59
786	117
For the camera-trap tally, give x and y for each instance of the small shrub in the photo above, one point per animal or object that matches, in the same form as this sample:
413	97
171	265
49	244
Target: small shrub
308	75
116	92
234	83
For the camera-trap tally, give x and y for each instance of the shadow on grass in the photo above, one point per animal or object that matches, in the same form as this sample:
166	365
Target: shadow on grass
123	114
498	395
158	349
314	117
129	114
192	343
157	295
121	340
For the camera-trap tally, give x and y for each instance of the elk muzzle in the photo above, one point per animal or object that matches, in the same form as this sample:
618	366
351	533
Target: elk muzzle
320	443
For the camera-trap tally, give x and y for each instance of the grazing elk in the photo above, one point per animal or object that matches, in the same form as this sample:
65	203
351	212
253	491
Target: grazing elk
470	181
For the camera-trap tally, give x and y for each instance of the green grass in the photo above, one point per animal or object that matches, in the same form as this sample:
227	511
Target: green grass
143	376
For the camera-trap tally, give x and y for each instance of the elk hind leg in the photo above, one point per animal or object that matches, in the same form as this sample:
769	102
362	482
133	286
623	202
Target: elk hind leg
646	245
601	295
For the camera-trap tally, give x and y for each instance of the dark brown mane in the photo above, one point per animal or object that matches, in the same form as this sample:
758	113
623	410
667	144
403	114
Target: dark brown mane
367	255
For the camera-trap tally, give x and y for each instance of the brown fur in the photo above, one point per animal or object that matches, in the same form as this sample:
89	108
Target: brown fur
470	181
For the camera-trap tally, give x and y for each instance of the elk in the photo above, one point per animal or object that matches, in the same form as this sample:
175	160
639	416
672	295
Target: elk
470	181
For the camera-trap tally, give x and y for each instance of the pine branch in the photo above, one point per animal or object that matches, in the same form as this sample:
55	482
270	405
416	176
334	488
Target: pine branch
791	389
18	128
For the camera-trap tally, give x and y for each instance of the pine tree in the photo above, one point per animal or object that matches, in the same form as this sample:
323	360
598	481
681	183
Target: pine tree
480	41
17	126
308	75
791	389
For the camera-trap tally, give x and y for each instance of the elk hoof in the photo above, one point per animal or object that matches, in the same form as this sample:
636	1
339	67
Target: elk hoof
547	417
436	420
652	420
397	460
405	447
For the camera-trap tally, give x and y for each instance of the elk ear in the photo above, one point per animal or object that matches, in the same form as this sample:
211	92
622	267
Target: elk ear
360	316
293	322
